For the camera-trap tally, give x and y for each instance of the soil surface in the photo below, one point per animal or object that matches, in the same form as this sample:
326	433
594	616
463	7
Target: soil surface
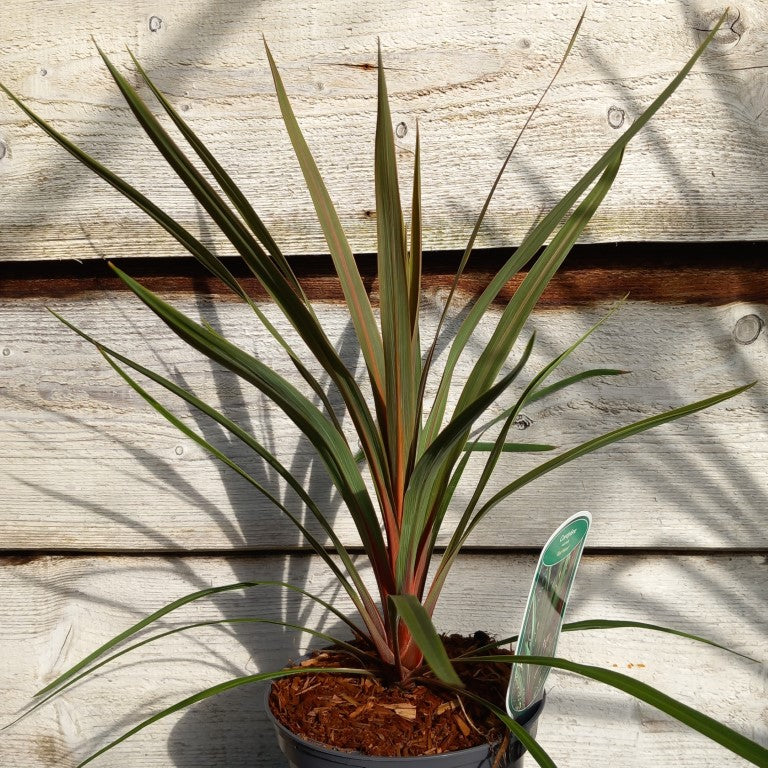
369	715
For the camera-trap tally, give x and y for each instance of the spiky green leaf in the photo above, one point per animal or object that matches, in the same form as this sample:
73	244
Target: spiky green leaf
395	299
711	728
542	231
604	440
217	689
354	291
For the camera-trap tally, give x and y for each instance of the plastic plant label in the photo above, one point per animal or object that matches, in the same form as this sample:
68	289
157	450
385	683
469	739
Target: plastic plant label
545	610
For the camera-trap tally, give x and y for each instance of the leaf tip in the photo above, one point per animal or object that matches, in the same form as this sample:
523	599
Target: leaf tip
135	60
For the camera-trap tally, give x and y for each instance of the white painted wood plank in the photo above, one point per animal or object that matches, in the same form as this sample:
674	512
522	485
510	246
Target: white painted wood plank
78	441
87	464
57	609
468	73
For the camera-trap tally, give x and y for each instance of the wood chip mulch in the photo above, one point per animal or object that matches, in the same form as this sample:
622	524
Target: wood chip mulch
368	715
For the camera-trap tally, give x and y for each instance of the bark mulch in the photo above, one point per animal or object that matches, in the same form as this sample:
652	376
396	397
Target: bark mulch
369	715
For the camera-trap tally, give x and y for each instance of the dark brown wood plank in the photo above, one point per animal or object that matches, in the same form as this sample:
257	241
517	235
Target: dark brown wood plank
706	273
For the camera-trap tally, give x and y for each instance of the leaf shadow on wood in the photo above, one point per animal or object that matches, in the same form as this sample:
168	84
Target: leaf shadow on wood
171	668
160	475
726	491
212	737
207	29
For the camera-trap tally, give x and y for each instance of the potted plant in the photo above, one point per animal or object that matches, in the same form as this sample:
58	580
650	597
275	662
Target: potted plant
412	449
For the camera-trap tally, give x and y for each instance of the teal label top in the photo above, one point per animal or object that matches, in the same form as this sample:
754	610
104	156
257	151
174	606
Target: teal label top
565	541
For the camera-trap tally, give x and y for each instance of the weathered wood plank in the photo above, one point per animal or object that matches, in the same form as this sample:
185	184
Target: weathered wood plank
57	609
467	73
87	465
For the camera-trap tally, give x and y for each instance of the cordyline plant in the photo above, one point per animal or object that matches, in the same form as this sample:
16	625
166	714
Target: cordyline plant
415	455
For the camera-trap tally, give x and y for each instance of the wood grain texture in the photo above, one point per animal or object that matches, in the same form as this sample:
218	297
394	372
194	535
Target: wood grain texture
87	465
467	72
57	609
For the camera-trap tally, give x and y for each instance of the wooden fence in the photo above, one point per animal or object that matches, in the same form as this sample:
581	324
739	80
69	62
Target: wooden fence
107	513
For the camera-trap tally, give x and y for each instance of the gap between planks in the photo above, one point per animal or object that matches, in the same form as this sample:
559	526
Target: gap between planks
702	273
25	556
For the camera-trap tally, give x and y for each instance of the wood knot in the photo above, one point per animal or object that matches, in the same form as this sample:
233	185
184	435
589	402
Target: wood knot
522	421
747	329
365	66
616	117
730	32
20	559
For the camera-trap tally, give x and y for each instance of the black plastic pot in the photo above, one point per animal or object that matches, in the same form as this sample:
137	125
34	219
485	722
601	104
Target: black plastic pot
310	754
